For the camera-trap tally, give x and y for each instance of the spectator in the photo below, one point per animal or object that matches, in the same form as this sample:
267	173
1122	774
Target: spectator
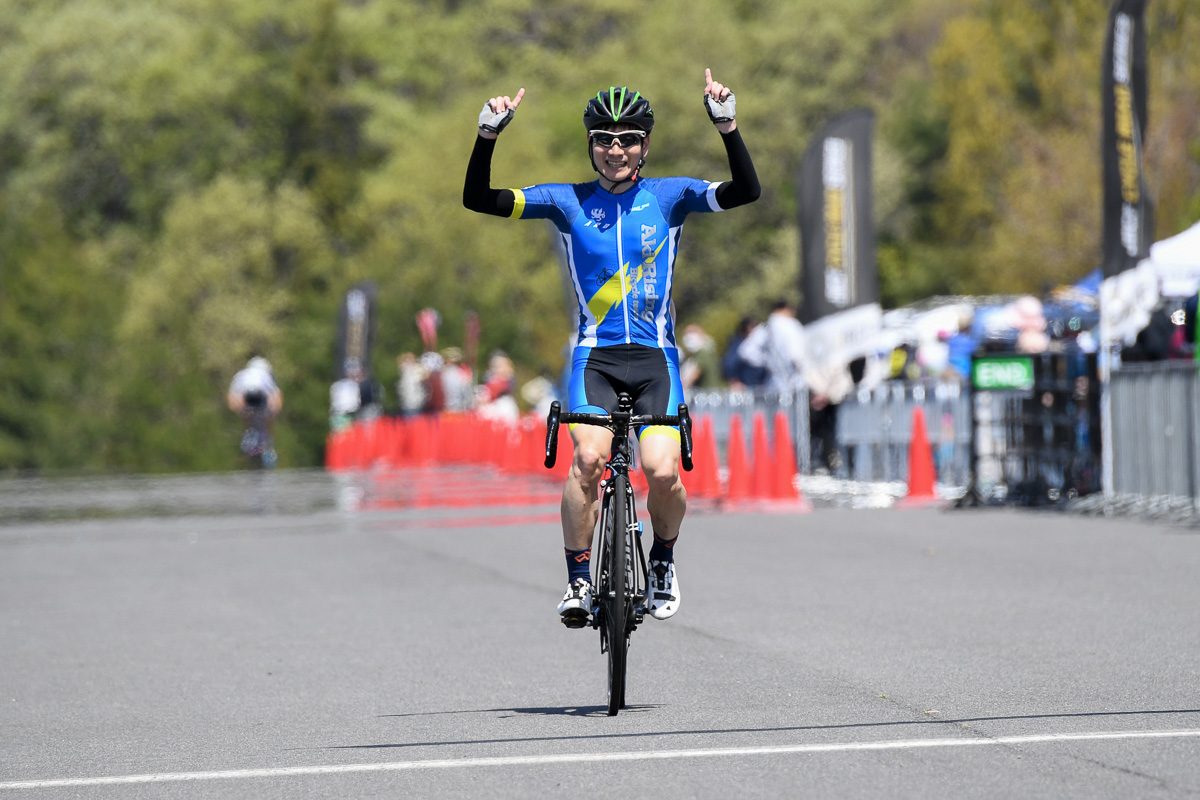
355	396
699	366
739	373
345	399
962	347
828	386
1154	341
1027	317
902	363
495	396
538	395
778	346
457	381
435	394
410	384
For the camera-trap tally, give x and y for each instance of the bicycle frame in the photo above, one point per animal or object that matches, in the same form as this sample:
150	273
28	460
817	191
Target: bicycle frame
616	489
621	578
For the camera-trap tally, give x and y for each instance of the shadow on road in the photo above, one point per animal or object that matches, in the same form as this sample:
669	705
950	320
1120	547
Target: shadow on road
587	711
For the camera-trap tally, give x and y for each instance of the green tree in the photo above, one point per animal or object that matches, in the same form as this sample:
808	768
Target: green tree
220	286
185	182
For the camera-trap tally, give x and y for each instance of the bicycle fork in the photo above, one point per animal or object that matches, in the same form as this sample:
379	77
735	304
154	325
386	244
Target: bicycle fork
636	577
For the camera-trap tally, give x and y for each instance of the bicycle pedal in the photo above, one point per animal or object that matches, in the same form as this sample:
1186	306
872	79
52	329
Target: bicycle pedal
575	618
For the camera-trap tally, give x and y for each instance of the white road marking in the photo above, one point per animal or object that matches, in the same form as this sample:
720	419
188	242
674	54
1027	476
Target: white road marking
581	758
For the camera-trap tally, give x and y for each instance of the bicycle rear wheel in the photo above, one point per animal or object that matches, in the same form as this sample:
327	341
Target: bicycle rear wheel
616	611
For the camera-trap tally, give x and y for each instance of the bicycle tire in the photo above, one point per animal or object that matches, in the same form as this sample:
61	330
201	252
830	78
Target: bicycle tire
616	615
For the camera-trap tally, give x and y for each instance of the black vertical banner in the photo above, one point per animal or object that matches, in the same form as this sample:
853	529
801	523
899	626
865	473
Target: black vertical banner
837	229
1128	229
356	330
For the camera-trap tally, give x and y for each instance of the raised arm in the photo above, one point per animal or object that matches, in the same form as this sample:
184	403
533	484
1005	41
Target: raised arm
478	194
744	188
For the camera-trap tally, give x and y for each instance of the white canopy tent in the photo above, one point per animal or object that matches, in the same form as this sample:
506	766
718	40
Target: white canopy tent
1176	260
1172	270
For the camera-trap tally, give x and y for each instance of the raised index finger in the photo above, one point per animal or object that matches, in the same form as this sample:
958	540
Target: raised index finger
707	78
517	100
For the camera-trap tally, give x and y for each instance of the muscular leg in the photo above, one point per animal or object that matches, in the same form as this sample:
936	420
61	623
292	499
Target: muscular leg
581	497
667	501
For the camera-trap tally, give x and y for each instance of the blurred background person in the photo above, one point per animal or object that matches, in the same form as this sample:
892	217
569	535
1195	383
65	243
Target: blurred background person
254	386
962	346
345	399
428	322
435	392
538	394
739	373
410	384
457	381
828	385
778	347
256	397
700	364
494	396
1027	316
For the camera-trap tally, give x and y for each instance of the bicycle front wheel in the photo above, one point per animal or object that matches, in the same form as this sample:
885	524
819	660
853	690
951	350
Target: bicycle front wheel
616	612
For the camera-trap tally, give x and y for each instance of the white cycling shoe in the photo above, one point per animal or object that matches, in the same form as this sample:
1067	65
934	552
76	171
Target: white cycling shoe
662	599
576	605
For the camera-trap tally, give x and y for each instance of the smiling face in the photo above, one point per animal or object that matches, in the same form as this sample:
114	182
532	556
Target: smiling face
616	162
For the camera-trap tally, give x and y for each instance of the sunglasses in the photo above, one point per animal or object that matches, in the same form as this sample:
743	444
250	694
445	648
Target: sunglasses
626	139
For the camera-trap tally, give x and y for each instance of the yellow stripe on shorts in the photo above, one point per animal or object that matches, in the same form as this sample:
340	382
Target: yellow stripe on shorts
659	430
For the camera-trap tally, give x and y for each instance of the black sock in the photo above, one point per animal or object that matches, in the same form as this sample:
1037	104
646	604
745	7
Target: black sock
579	564
663	550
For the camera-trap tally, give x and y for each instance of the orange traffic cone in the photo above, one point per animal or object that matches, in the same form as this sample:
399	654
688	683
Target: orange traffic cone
920	464
763	466
703	479
739	468
333	452
783	485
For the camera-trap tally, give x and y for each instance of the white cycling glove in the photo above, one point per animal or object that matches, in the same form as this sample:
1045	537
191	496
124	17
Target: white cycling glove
722	111
491	121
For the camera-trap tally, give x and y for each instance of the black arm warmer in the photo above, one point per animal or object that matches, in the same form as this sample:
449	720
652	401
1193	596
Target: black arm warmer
478	194
744	187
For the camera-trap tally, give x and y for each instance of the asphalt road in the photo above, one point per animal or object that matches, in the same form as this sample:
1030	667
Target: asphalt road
348	653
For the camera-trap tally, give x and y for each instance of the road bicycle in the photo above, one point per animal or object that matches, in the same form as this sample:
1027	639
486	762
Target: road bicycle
620	580
258	446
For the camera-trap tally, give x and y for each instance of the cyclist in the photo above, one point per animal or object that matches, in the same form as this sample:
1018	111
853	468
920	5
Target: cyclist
253	394
621	235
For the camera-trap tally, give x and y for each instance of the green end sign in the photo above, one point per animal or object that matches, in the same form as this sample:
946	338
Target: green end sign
1002	372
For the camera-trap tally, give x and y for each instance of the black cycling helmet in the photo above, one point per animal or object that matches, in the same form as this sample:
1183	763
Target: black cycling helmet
619	105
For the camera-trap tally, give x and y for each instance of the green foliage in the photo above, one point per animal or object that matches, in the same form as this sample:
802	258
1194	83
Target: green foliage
1005	195
185	183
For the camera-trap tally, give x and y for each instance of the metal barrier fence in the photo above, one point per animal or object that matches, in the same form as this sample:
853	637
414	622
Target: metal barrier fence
722	405
1155	413
1048	435
874	427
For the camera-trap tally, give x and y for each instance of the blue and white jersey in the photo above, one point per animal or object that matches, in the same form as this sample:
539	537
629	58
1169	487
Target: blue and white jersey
621	251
